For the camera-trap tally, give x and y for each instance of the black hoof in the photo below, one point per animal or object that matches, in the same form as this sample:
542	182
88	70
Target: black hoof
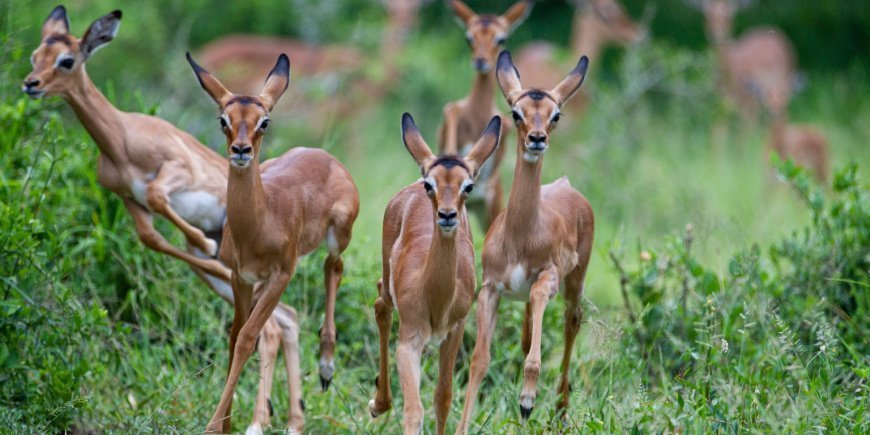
302	404
525	413
324	384
271	409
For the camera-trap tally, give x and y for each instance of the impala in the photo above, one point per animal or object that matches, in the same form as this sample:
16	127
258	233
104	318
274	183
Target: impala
428	265
277	211
539	244
761	56
154	168
805	145
463	119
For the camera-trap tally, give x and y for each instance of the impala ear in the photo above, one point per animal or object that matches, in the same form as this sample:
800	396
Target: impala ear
100	33
569	85
484	147
518	13
415	144
461	10
508	77
57	22
277	81
210	83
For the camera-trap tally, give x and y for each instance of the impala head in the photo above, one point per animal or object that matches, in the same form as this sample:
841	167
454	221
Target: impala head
719	15
61	56
611	22
244	119
486	34
536	112
449	180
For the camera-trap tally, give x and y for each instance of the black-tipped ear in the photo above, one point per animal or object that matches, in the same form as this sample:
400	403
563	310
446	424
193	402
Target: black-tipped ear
485	146
100	33
56	23
210	83
508	77
277	81
415	144
569	85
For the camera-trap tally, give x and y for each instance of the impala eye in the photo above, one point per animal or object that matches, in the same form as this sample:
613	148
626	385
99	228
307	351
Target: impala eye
468	189
517	117
264	124
223	123
556	118
469	39
500	41
430	189
66	63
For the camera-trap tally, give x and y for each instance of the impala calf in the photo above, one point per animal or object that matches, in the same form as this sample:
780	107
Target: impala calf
805	145
154	168
277	211
541	242
428	265
464	118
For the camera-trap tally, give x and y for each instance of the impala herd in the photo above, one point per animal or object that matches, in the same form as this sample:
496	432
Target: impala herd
247	222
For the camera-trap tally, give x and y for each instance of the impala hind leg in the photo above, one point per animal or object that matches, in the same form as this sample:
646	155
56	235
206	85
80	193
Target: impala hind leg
267	347
245	341
487	306
171	178
289	322
546	285
446	363
383	400
337	239
573	319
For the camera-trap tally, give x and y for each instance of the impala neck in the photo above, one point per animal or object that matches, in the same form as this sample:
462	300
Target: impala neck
585	39
524	203
482	95
100	118
777	132
439	273
246	201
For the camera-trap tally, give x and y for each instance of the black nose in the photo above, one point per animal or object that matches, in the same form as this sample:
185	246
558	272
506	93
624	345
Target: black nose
31	83
479	63
537	137
241	149
447	214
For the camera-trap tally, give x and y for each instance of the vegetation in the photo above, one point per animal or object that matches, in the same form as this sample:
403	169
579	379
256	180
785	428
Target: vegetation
720	297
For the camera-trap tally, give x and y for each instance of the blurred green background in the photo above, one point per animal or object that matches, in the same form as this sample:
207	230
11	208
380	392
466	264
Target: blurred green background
103	334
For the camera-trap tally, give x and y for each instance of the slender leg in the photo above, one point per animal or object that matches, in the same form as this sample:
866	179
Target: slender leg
270	341
493	199
242	307
573	319
170	178
527	333
154	241
289	322
446	362
244	346
332	270
384	314
487	305
546	285
408	354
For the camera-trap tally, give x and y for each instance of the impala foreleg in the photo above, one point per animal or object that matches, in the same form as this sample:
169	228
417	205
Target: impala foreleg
171	178
446	363
493	199
332	271
408	354
527	332
267	347
542	290
487	306
246	339
155	241
384	315
288	320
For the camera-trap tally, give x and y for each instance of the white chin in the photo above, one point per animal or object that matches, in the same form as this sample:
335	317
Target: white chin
532	157
449	231
240	163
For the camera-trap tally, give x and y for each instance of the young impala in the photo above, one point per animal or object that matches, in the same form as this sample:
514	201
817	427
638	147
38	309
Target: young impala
428	265
277	211
154	168
805	145
464	118
541	241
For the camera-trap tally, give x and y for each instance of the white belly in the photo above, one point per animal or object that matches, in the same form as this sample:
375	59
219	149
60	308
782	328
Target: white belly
518	284
200	209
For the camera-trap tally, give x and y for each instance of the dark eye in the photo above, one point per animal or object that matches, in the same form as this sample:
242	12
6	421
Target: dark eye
469	39
556	118
264	125
517	117
468	189
223	123
66	63
500	41
429	188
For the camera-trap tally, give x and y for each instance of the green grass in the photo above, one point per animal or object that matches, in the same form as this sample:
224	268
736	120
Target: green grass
100	333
